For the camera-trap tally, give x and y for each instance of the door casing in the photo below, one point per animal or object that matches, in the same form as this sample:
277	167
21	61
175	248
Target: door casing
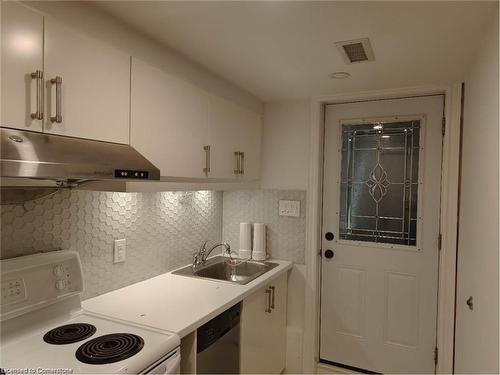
448	222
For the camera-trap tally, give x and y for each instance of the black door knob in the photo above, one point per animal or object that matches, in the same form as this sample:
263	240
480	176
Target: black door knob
329	236
329	254
470	303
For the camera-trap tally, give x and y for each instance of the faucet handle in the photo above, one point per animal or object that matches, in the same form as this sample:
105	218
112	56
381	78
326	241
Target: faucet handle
203	247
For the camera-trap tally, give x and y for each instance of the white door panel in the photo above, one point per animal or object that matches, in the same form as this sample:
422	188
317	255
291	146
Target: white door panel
95	86
22	54
379	290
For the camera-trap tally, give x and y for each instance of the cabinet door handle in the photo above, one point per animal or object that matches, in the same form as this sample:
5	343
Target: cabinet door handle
242	163
38	115
206	170
268	300
58	82
237	162
273	290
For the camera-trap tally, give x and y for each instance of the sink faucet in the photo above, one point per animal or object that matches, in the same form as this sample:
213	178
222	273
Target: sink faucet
200	257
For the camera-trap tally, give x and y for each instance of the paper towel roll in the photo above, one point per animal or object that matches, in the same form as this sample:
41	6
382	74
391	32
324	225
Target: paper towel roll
259	241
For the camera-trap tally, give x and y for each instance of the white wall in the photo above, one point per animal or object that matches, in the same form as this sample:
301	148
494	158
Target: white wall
285	145
476	345
82	16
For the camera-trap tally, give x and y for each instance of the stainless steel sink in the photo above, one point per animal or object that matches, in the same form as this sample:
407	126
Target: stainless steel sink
223	269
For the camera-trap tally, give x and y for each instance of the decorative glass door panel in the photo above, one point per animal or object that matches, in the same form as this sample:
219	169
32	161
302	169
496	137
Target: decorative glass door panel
379	182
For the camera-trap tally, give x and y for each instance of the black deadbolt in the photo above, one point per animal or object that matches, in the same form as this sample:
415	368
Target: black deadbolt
329	254
329	236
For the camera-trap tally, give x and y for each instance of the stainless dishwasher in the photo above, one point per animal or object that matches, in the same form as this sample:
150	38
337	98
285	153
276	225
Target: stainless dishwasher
218	344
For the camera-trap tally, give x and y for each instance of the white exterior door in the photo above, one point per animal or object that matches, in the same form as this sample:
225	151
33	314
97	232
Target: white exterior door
382	173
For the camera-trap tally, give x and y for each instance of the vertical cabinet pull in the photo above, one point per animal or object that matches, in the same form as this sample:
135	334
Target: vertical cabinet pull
38	114
239	158
273	289
237	162
242	163
206	170
268	300
58	82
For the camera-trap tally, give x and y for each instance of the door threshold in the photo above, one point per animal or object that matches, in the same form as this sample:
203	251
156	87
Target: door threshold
339	368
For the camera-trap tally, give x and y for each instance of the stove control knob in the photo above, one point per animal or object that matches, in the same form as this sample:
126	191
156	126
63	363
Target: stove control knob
58	270
61	284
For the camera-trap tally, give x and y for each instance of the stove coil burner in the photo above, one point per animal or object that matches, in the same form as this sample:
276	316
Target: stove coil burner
69	333
109	348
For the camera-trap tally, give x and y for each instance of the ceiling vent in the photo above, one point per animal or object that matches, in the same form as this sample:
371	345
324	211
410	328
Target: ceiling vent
355	51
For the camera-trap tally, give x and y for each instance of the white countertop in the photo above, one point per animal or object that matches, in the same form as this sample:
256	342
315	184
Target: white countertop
177	303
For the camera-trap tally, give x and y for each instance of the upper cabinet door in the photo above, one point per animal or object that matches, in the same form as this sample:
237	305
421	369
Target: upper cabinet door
22	54
249	144
223	137
169	121
92	100
234	129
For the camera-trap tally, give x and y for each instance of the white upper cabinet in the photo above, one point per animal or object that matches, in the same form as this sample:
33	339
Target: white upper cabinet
95	90
22	54
223	138
88	89
235	138
249	144
169	121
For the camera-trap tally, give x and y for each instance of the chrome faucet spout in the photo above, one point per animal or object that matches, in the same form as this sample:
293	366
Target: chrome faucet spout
201	256
224	244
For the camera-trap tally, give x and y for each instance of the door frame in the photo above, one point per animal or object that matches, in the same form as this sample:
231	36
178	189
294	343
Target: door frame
448	220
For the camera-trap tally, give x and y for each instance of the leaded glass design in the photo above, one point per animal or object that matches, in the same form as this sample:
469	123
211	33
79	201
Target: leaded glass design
379	182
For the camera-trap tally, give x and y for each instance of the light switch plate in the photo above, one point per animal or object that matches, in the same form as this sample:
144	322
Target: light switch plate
289	208
119	251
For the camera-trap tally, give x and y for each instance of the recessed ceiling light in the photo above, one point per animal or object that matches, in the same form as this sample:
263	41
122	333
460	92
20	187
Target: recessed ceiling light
340	75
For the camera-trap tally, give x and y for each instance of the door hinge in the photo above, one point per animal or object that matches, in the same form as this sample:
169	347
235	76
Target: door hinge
443	126
440	241
436	355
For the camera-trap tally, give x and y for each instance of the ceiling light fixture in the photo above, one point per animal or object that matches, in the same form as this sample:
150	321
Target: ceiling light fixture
340	75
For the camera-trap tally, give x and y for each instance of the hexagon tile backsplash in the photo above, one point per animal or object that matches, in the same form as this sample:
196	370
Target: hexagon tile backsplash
162	231
285	235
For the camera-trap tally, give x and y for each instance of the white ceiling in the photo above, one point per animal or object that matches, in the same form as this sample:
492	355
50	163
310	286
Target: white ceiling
282	50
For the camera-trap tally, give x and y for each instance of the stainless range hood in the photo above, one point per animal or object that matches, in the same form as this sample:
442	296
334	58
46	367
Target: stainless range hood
69	161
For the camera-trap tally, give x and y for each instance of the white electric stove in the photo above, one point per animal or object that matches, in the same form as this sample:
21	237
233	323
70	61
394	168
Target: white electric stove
44	328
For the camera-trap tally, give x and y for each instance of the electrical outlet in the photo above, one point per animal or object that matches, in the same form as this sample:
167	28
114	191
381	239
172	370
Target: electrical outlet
289	208
120	251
